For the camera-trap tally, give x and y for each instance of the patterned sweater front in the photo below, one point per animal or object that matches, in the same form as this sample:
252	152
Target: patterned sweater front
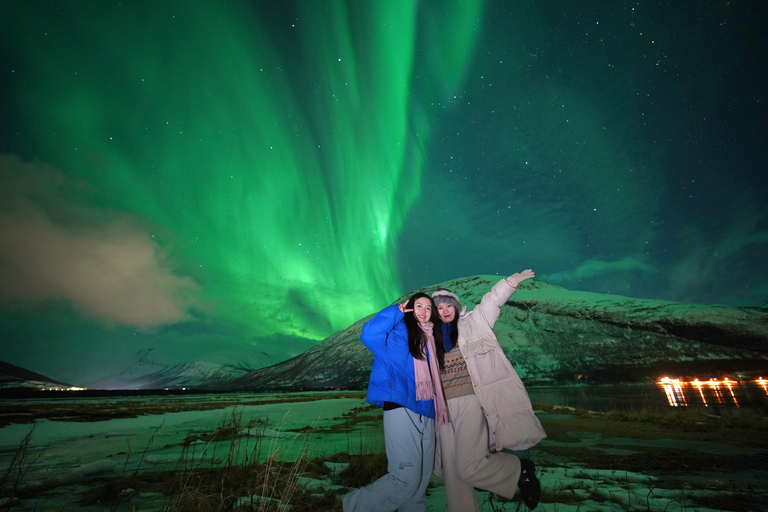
455	376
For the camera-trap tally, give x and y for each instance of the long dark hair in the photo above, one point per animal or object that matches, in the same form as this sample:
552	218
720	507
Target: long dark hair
455	322
417	340
454	329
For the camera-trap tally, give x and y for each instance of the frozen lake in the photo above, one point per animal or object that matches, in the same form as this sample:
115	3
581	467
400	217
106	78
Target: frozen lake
80	447
716	396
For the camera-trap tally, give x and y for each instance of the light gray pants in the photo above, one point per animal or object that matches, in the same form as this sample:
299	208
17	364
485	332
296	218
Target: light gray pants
467	461
410	444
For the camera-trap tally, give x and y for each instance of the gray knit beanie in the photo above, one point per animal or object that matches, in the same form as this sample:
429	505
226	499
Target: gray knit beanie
443	296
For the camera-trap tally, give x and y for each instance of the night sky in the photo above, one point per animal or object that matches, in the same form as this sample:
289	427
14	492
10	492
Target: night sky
235	181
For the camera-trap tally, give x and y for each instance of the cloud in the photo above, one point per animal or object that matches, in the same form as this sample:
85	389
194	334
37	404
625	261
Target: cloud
106	264
727	266
597	268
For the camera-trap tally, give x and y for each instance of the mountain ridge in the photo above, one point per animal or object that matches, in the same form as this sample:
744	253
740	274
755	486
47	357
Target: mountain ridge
12	376
550	334
555	335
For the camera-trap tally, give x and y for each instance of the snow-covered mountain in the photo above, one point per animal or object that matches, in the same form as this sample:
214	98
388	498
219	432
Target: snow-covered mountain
12	377
146	373
555	335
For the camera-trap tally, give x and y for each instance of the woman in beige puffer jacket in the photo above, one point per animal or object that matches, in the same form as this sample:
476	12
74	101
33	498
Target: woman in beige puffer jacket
488	406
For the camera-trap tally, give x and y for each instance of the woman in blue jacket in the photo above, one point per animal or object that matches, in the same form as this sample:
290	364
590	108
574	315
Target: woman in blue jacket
405	381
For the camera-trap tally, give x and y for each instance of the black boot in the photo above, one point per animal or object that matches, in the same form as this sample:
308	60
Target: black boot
529	485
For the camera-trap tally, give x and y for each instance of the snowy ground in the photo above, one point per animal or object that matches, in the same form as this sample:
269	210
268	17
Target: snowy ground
587	463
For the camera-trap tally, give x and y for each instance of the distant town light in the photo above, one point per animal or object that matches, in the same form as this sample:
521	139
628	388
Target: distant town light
675	390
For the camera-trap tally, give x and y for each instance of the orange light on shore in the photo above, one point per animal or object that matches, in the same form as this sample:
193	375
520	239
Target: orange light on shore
715	385
762	383
709	390
729	384
674	390
698	385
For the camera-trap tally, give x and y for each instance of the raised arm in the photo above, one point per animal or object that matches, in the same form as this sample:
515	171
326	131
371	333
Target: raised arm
376	330
490	305
516	279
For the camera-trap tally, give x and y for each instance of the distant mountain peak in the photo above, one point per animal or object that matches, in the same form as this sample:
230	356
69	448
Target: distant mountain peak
190	374
12	376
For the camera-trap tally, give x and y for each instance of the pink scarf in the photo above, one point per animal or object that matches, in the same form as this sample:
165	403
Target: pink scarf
427	375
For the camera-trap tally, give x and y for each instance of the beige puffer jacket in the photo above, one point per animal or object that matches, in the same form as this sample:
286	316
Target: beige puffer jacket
498	388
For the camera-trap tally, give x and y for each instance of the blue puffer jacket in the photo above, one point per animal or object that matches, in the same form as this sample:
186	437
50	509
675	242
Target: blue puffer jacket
392	377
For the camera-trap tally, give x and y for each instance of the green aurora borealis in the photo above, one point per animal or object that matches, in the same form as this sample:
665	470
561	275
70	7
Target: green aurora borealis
235	181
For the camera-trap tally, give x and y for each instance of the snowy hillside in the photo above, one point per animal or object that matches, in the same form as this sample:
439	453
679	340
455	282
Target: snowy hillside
339	361
146	373
15	377
554	335
194	374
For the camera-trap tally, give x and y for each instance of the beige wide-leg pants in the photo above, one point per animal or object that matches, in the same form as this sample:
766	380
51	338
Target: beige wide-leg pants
467	461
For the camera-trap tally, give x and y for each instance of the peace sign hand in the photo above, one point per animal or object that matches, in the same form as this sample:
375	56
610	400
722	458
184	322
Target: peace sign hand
403	305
